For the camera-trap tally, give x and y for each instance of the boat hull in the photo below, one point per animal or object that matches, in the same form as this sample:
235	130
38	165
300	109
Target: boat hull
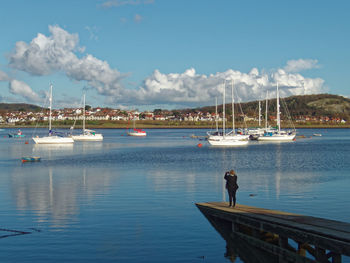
88	138
16	135
30	159
53	140
137	134
227	142
277	138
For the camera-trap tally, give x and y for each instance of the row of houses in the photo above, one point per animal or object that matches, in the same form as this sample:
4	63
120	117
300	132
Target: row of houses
106	114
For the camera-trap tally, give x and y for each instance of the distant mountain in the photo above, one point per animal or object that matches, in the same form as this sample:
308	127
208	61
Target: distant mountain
10	107
303	105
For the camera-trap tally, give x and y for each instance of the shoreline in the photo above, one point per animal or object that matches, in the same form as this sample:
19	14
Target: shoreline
162	126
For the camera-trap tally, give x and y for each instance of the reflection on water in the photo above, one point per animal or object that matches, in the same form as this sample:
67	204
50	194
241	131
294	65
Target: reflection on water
53	192
107	198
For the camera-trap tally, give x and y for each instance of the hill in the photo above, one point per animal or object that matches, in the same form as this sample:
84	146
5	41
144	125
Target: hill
303	105
10	107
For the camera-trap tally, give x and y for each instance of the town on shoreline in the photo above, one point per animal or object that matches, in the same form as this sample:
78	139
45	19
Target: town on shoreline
307	111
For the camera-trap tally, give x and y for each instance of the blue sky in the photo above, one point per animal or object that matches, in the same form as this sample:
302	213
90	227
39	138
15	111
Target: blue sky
150	54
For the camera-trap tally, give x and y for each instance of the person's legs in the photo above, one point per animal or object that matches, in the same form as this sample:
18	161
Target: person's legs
234	198
230	196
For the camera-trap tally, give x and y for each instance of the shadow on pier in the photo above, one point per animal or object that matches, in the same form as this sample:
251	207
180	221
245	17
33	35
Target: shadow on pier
262	235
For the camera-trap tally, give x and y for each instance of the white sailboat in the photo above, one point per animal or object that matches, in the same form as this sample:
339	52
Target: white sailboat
255	133
230	139
87	135
216	133
52	138
232	134
278	134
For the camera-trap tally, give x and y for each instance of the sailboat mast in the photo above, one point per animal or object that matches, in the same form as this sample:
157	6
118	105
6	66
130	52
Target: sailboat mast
259	113
50	99
278	111
223	111
267	106
216	113
233	110
84	113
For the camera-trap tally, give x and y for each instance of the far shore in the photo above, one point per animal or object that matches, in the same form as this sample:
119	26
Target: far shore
163	125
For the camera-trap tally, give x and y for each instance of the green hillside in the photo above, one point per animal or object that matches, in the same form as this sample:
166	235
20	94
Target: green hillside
10	107
305	105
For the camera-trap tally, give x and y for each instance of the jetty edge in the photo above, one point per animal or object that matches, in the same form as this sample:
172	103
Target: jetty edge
273	232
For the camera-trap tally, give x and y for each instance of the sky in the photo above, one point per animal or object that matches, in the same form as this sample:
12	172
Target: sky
149	54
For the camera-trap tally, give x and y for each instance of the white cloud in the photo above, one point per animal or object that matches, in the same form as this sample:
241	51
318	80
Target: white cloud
119	3
47	55
57	53
300	65
3	76
138	18
192	88
22	89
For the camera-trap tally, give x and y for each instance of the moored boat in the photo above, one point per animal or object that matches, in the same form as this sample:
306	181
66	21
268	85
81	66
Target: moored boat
137	132
31	159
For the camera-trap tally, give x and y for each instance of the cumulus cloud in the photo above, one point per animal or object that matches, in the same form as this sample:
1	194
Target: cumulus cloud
119	3
3	76
22	89
45	55
137	18
300	65
192	88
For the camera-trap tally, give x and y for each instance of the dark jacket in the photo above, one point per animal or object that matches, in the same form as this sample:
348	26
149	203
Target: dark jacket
231	182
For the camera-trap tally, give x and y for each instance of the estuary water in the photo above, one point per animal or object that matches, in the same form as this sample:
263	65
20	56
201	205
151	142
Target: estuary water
130	199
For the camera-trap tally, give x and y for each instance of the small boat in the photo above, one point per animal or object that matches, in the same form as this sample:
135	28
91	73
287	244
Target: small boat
53	137
137	133
19	134
87	135
31	159
317	134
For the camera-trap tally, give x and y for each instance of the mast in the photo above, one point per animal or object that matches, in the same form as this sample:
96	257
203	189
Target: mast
50	99
84	113
267	106
278	111
259	113
223	111
233	111
216	113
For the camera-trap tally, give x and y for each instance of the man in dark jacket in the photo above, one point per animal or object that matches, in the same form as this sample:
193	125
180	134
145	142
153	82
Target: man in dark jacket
231	186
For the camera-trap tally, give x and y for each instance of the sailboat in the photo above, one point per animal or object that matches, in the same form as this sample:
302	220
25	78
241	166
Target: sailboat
136	132
278	134
213	134
52	138
87	135
255	133
230	139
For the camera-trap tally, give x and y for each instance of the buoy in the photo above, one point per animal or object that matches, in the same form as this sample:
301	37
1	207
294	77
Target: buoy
26	142
199	145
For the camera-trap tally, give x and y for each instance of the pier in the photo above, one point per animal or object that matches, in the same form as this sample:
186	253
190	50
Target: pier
263	235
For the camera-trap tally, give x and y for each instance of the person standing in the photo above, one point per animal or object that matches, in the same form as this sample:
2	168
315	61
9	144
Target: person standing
231	186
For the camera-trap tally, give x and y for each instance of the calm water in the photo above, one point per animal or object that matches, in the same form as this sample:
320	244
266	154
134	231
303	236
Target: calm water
132	199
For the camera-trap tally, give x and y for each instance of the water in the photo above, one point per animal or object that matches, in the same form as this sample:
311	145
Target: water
132	199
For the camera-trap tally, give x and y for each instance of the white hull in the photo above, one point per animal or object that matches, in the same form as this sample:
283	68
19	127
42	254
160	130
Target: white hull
227	142
277	138
137	134
53	140
88	137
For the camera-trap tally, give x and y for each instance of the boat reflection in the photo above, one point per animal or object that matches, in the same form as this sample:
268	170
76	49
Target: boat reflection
53	194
